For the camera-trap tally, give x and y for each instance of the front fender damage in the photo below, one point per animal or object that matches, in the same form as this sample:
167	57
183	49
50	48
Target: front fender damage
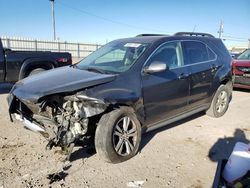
72	119
62	120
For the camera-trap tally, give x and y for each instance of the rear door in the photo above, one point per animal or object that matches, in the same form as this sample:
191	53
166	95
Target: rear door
2	67
202	62
166	93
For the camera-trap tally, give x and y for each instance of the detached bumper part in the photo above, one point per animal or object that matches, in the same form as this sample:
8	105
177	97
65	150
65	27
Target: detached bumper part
28	124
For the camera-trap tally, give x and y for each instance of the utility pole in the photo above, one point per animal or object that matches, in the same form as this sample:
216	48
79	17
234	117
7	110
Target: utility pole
221	29
53	18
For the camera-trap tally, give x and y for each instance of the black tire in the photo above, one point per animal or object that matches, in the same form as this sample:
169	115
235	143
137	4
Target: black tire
220	102
36	71
107	142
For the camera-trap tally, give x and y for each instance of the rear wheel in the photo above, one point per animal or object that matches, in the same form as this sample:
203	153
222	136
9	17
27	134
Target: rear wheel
220	102
36	71
118	135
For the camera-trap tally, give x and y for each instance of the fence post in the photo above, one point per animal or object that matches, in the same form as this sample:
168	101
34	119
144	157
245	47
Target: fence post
78	50
59	47
35	45
8	43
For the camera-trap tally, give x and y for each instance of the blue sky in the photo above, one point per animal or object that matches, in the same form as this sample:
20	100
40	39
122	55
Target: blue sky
99	21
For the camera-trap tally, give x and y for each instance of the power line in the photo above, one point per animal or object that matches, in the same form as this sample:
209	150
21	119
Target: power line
110	20
232	37
194	28
231	34
236	40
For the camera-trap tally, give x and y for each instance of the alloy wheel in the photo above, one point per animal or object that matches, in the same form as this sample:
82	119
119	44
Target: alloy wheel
221	101
124	136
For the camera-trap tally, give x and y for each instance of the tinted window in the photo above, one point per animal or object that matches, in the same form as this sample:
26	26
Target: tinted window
169	53
195	52
211	54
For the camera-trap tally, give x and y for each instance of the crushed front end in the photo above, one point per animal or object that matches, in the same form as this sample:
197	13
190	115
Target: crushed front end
62	119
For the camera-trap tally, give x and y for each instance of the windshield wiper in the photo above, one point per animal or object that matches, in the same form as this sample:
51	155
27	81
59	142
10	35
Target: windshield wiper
94	69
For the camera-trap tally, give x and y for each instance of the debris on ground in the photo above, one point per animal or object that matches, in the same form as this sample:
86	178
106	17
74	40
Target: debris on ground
135	183
61	174
56	177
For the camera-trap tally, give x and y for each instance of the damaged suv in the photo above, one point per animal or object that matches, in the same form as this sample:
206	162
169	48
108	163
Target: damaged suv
126	88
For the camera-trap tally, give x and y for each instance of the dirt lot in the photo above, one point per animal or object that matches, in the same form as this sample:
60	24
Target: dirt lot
183	154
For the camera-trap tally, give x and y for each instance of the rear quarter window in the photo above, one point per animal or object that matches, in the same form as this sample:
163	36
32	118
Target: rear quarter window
211	54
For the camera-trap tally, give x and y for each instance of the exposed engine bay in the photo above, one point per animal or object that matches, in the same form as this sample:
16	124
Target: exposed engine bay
61	120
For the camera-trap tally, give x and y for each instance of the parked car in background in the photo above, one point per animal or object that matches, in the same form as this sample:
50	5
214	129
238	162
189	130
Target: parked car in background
234	55
16	65
241	70
125	88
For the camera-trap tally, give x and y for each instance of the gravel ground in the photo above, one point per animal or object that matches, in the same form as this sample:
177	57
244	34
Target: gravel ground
183	154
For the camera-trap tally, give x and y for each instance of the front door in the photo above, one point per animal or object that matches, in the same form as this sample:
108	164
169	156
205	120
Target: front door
166	93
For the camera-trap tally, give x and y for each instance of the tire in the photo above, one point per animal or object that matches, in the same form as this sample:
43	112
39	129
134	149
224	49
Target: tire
118	135
220	102
36	71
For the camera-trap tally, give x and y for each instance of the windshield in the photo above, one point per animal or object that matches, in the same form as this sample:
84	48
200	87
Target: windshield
114	57
245	55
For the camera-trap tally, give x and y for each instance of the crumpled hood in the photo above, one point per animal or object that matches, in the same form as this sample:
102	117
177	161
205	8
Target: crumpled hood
65	79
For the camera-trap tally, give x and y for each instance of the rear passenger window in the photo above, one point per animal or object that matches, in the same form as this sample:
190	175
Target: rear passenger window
196	52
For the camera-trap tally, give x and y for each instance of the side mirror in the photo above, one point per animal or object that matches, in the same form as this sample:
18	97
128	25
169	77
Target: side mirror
155	66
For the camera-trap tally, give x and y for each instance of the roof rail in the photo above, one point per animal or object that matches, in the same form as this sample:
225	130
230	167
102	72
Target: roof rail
193	34
149	35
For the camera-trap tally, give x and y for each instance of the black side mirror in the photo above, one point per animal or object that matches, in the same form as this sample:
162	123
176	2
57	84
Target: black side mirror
155	66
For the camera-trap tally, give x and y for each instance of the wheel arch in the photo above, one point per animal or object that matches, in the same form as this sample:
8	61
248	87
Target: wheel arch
139	115
34	63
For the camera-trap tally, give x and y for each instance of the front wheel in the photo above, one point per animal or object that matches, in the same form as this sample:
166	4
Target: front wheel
220	102
118	135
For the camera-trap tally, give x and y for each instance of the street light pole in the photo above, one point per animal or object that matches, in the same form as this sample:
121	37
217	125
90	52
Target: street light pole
53	18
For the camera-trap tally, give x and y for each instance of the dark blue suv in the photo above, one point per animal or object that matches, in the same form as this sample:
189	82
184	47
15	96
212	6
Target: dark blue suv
127	87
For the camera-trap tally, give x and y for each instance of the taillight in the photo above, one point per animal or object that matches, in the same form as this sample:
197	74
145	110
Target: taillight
62	60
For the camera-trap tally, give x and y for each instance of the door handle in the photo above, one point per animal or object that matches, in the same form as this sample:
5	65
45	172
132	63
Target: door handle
214	68
183	76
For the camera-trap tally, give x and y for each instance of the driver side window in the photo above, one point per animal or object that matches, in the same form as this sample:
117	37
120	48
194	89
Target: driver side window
169	53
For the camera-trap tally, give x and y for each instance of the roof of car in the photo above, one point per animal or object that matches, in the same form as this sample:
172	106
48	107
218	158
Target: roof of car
143	39
151	38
